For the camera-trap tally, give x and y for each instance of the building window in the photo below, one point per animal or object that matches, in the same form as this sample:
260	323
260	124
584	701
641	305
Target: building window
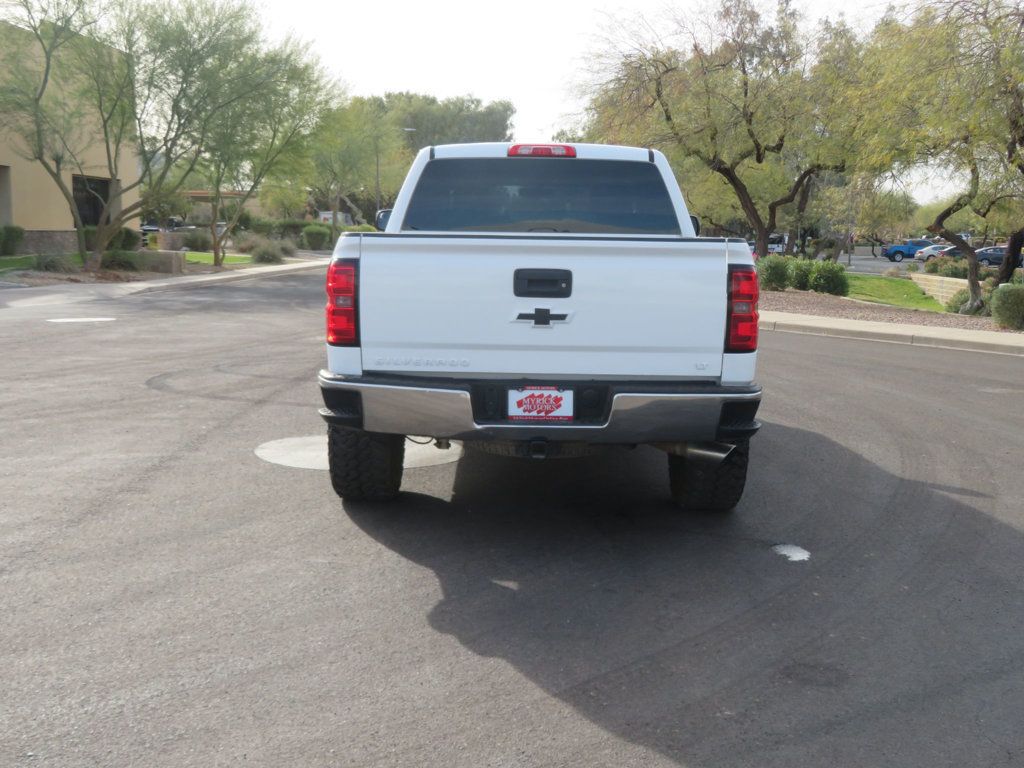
91	194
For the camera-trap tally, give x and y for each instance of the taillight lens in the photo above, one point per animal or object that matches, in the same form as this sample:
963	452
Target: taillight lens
342	312
541	150
741	328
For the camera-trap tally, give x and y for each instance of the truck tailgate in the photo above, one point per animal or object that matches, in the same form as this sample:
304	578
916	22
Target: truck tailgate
447	305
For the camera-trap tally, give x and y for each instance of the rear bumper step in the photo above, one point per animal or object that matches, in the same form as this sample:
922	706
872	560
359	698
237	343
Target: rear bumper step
634	413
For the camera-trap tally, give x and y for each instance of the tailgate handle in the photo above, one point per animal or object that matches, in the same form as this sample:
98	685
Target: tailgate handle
542	283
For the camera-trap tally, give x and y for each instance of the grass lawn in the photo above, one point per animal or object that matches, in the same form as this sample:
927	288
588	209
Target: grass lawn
16	262
8	263
891	290
196	257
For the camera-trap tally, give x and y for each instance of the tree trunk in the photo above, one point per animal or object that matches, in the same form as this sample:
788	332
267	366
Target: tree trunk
1012	257
761	249
335	205
834	249
798	220
104	234
973	284
218	248
357	213
791	238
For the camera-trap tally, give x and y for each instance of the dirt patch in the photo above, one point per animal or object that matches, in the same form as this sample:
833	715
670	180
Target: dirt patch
824	305
35	278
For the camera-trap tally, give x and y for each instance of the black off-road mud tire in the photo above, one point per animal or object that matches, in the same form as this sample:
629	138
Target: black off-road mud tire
364	466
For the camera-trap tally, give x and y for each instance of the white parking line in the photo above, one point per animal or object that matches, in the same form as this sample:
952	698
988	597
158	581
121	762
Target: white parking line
81	319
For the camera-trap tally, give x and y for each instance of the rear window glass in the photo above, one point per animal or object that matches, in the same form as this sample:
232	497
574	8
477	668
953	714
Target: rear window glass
536	194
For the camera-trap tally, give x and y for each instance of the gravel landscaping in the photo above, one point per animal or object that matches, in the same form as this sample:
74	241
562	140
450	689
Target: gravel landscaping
824	305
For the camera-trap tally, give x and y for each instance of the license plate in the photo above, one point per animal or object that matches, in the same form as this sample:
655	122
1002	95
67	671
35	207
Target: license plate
540	404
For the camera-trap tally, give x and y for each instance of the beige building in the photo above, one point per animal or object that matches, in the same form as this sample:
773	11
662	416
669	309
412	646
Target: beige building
30	199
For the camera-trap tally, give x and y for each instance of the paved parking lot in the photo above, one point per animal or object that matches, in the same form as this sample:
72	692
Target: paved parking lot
171	599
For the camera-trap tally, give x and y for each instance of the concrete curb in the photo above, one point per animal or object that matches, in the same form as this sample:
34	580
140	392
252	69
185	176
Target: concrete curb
192	281
916	335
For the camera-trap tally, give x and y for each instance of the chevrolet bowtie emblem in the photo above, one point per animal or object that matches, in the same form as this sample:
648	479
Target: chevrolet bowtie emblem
542	316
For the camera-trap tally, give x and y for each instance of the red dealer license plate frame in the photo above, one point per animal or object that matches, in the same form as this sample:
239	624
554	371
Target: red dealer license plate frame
541	403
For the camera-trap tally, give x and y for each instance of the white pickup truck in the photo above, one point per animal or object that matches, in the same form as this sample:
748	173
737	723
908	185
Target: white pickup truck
542	300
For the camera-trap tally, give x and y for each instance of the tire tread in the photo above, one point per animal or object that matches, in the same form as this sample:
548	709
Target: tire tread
365	466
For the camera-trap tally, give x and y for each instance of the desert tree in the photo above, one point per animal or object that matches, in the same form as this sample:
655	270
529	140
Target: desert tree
747	95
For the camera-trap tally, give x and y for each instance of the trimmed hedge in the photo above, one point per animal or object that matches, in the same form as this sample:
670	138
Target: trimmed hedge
315	236
800	274
10	238
198	240
1008	306
829	277
773	272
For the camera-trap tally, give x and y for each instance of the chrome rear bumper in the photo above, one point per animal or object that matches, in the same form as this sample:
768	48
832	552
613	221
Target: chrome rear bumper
446	411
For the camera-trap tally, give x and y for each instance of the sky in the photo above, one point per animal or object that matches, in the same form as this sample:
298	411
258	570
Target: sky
533	53
536	54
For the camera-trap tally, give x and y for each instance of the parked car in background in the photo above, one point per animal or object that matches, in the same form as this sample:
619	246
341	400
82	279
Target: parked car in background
931	251
906	250
992	256
777	243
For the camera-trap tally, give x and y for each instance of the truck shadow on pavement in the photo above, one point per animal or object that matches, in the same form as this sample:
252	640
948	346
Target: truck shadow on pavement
899	642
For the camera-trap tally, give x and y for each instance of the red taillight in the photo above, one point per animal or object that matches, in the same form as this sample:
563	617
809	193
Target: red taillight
541	150
741	329
342	312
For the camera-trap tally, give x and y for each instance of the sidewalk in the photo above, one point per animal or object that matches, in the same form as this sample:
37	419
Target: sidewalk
917	335
12	295
191	281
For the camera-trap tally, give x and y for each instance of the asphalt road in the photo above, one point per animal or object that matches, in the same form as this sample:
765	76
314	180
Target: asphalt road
169	599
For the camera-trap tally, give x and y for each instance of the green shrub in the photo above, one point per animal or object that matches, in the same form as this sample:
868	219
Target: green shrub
130	239
360	228
773	272
800	273
287	246
957	300
121	260
1008	306
263	227
54	262
931	266
290	227
198	240
249	242
267	253
829	277
315	236
913	267
10	238
90	237
953	268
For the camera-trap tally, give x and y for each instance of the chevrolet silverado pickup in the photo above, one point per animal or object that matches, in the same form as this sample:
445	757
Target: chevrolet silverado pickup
543	301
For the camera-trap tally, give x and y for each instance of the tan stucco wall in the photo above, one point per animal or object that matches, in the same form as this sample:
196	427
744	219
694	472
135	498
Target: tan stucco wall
36	203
